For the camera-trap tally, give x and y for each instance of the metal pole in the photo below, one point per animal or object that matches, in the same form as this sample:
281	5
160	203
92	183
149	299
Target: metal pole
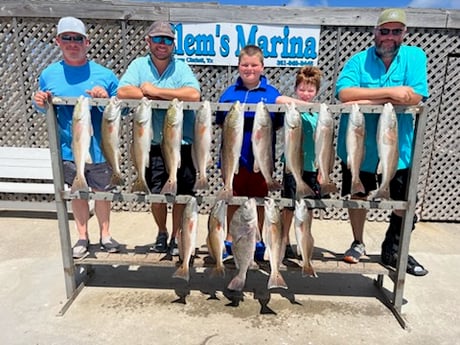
404	241
61	204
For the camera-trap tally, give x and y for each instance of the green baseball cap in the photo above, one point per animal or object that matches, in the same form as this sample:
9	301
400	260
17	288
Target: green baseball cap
392	15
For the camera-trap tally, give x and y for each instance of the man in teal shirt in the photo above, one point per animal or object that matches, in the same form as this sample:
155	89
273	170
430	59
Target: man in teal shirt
386	72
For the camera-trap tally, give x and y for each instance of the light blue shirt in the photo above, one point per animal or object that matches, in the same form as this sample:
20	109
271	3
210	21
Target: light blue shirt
366	69
177	74
63	80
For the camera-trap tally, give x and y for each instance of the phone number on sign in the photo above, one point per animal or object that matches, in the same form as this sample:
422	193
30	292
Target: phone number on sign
295	63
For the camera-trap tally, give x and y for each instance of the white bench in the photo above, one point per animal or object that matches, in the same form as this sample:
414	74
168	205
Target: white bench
20	170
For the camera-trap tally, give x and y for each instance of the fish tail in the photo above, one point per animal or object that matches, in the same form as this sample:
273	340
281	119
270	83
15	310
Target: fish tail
303	190
170	187
274	186
380	194
357	187
182	272
117	180
308	270
276	280
328	188
140	186
218	271
79	184
225	194
237	283
201	183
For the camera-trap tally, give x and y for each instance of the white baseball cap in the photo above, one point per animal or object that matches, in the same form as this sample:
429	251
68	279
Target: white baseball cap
71	24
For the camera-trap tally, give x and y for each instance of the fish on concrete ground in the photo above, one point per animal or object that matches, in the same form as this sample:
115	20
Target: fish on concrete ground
187	238
171	144
305	241
293	153
262	146
232	142
243	228
201	147
216	236
324	149
82	130
110	142
142	141
272	234
355	136
388	149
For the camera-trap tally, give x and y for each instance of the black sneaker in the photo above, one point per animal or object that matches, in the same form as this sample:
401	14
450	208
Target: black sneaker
173	249
413	267
161	244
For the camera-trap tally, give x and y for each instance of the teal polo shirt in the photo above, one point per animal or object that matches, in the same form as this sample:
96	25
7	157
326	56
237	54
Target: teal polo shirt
366	69
177	74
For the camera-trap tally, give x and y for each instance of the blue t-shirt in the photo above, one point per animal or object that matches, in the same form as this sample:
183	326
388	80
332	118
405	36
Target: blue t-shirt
366	69
177	74
238	92
63	80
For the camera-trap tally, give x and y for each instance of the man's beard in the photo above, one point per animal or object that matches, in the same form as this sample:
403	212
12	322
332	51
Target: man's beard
387	52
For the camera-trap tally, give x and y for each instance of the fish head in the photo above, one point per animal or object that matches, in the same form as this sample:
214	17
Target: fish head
325	115
112	110
235	116
174	114
300	209
143	113
388	116
81	108
191	208
271	210
292	116
356	116
204	112
219	210
249	210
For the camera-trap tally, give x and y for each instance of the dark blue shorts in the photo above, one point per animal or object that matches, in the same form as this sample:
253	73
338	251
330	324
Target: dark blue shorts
97	175
289	185
156	175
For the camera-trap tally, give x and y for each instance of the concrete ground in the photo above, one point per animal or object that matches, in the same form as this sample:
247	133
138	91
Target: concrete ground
144	305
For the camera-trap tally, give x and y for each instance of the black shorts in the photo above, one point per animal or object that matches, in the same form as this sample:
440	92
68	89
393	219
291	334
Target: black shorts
156	175
98	176
370	181
289	185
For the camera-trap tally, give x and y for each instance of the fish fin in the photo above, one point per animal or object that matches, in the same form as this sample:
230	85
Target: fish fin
276	280
256	167
182	272
379	168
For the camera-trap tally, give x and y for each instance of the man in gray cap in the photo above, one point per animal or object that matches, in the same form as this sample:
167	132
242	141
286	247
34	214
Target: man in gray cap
387	72
159	76
75	76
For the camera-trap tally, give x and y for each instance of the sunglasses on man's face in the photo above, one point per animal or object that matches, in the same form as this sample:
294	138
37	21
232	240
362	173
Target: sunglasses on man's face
394	32
77	39
161	39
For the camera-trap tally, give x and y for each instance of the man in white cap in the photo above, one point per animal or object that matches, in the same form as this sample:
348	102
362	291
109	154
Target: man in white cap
159	76
387	72
74	76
